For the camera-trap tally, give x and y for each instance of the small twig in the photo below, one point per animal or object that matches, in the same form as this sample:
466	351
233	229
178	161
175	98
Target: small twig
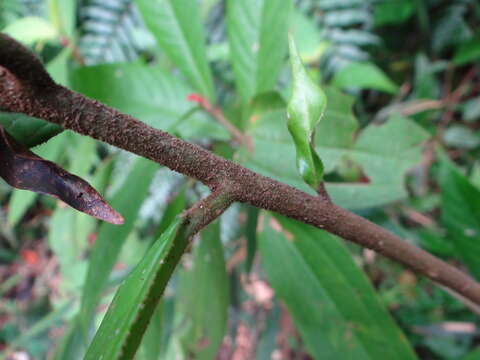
65	41
218	115
419	218
418	106
451	99
322	192
475	308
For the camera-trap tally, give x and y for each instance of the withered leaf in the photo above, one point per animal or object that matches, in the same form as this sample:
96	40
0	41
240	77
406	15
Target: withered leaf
22	169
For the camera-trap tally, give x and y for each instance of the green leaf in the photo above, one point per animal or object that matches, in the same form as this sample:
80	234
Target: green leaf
461	214
474	355
110	238
174	209
333	305
251	235
177	27
461	137
63	15
151	346
304	111
393	12
28	130
257	34
203	297
451	27
308	37
31	29
364	76
468	52
384	163
471	109
123	326
157	98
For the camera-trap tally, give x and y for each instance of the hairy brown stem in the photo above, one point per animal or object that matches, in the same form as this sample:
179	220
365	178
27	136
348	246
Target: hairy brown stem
25	87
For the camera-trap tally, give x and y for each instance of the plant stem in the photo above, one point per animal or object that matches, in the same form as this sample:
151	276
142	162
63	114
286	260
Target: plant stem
26	87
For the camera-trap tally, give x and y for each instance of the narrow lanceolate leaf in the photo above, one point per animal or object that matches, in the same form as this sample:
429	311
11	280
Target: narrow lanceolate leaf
305	109
24	170
177	27
134	303
333	305
257	34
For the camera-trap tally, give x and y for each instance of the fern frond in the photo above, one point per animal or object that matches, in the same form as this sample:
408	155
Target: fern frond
108	31
347	25
11	10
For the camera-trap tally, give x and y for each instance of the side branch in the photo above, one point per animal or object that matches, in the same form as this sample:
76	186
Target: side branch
46	100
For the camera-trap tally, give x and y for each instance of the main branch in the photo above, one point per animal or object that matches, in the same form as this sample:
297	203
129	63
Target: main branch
27	88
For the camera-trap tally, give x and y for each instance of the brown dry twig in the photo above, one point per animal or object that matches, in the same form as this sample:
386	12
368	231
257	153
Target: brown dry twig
26	87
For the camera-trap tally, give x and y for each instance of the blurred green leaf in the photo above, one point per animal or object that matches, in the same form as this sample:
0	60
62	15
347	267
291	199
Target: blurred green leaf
203	297
110	237
268	342
257	34
364	76
174	208
468	52
266	102
28	130
426	84
63	16
155	97
332	303
392	12
435	242
178	29
305	109
452	27
308	37
461	137
251	235
471	110
474	355
31	29
134	303
461	214
151	347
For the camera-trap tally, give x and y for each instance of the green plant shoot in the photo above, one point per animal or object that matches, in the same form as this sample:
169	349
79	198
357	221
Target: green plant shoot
305	109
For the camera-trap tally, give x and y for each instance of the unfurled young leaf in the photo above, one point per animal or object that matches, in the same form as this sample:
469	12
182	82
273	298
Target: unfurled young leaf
23	169
305	109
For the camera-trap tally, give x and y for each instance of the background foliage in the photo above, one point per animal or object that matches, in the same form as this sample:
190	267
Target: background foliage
399	142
